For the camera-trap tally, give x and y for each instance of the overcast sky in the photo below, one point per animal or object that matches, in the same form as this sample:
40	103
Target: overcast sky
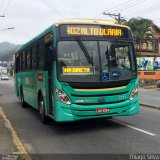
31	17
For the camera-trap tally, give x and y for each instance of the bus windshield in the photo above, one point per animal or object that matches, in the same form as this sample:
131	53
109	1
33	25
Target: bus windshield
95	61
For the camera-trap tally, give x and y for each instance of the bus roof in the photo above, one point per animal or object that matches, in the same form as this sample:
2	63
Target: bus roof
90	21
71	21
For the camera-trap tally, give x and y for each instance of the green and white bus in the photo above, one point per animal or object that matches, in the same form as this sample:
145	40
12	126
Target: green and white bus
79	69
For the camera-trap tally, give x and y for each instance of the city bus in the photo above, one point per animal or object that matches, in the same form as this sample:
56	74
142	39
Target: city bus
79	69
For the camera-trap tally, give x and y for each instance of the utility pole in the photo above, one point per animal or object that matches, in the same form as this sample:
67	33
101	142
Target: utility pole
117	17
7	28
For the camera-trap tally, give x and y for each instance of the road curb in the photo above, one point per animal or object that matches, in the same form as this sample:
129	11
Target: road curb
17	142
151	106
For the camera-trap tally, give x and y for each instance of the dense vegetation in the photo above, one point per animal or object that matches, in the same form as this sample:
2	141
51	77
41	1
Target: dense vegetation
7	51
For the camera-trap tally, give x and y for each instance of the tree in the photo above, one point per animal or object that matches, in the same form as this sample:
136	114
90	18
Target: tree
141	29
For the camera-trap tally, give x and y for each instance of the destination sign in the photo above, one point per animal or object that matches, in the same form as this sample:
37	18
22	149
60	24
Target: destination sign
93	30
70	70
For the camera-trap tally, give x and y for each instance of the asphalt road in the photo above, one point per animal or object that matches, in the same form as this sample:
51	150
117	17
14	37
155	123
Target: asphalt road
120	135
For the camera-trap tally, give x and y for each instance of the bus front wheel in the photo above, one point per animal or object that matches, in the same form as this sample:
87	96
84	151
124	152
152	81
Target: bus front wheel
43	116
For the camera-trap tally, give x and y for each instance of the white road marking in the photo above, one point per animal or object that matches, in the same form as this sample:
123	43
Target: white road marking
138	129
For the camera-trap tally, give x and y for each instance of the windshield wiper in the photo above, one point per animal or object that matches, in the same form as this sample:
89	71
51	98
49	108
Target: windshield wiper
109	53
85	51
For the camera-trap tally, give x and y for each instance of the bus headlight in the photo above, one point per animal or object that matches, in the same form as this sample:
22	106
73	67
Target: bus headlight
134	93
62	96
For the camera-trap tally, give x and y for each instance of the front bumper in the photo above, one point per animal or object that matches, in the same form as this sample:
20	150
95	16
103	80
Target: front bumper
76	112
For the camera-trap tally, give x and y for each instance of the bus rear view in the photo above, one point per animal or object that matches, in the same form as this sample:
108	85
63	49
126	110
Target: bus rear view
96	72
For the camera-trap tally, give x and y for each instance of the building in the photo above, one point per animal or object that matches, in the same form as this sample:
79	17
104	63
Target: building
151	47
148	52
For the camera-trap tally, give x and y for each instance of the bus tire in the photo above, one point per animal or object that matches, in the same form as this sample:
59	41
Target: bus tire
43	116
23	103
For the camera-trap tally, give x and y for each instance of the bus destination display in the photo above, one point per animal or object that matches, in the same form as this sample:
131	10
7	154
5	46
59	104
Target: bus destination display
93	30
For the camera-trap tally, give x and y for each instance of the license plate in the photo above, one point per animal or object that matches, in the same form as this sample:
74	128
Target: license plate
102	110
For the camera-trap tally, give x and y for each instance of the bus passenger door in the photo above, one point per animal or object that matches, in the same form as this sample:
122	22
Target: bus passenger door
17	66
49	69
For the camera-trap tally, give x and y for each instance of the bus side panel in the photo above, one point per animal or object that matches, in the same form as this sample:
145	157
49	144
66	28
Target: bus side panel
29	88
31	85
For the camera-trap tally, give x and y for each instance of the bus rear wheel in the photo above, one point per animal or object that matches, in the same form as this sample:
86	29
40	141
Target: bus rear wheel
23	103
43	116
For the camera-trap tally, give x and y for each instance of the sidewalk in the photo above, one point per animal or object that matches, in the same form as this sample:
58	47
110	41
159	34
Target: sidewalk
150	97
6	144
10	145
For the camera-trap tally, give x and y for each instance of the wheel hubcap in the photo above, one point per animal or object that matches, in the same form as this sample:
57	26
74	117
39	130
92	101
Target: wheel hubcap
41	110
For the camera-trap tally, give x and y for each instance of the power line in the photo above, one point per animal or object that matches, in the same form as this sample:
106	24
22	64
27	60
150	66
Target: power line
55	9
1	4
52	9
111	9
137	2
119	6
148	10
53	3
5	10
123	7
127	5
122	4
7	7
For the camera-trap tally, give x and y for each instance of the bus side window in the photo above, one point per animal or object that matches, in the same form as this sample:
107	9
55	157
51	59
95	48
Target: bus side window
21	62
17	63
40	55
29	59
48	56
24	61
34	57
